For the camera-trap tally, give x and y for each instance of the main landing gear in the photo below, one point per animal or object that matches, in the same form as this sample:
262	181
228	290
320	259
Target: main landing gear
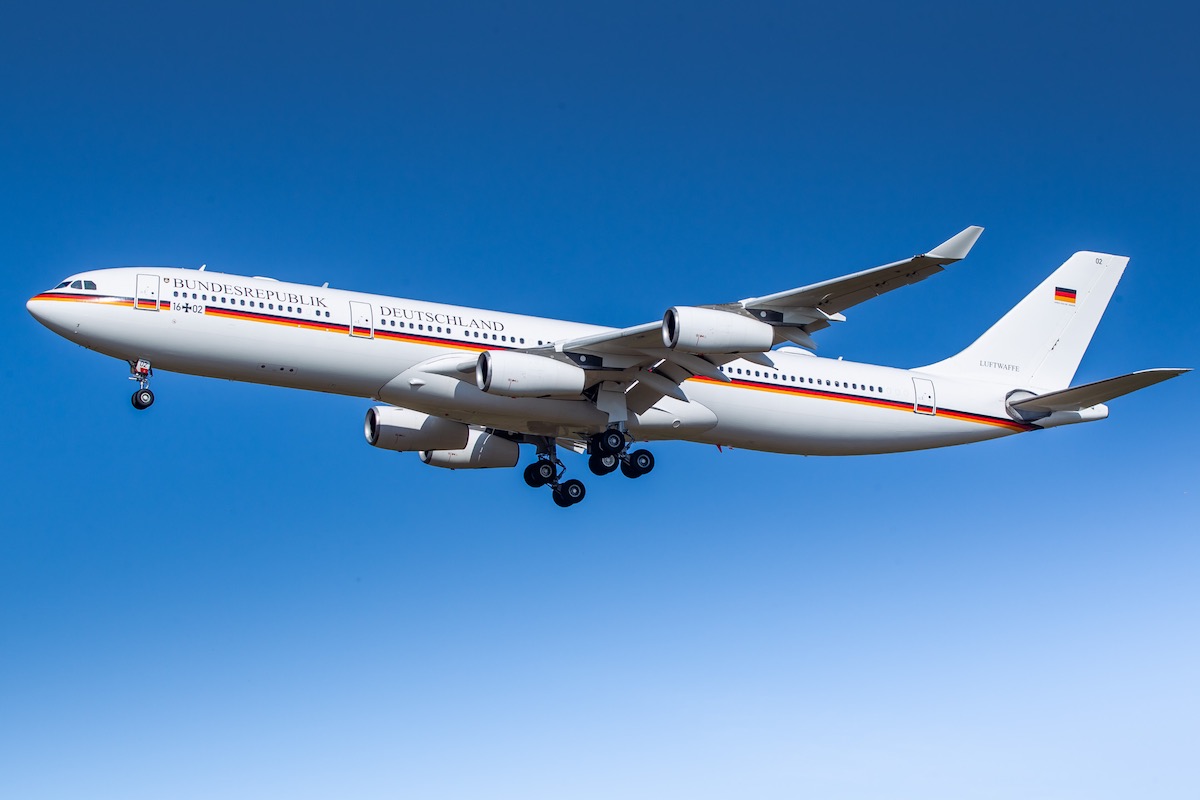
548	470
609	451
140	371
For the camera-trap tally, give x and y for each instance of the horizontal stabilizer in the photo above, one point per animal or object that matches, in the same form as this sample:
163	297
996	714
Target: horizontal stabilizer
1091	394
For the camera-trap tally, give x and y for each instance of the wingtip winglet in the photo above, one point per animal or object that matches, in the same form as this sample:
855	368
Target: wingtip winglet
956	247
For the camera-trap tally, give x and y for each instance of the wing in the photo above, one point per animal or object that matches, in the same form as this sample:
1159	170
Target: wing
814	307
795	313
640	355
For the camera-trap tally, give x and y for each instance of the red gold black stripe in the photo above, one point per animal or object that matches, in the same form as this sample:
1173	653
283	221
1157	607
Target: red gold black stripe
876	402
1064	295
415	338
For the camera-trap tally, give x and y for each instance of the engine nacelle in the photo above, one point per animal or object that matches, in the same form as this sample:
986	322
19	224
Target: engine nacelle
406	430
709	330
512	374
482	451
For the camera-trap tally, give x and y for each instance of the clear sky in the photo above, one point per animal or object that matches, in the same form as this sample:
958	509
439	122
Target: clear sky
231	595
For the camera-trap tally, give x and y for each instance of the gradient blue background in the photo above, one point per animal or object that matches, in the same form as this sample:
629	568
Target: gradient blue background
232	595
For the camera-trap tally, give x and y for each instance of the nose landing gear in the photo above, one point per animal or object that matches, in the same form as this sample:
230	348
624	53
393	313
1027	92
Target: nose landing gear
140	371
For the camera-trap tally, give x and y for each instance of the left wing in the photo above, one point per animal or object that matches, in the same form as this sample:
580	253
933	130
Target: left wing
658	356
795	313
815	306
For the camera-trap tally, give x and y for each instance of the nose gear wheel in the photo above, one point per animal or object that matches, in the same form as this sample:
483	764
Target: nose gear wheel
140	371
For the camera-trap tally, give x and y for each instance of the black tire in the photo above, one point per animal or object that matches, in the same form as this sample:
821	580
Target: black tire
533	476
559	499
642	461
629	471
612	441
573	490
142	399
603	465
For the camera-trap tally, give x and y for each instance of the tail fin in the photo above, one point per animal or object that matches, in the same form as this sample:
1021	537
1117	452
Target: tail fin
1040	342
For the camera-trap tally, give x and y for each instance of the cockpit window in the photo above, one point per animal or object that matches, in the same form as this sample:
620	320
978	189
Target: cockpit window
76	284
63	285
89	285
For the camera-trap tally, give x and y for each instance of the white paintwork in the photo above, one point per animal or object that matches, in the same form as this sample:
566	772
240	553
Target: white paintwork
785	400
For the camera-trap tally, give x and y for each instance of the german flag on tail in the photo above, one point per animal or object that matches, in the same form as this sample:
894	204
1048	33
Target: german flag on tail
1062	295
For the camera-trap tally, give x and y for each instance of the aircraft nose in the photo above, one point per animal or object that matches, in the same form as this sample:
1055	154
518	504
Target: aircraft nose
35	307
47	312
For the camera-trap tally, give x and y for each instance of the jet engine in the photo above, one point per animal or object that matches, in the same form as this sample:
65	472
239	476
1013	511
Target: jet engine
709	330
512	374
405	430
482	451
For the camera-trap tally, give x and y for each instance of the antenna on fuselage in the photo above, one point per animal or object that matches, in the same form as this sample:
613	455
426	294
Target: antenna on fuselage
202	266
325	285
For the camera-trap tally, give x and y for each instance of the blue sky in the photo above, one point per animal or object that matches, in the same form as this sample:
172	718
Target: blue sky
233	595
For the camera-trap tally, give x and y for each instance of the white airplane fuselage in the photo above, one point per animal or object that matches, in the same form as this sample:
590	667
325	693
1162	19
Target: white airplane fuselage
373	346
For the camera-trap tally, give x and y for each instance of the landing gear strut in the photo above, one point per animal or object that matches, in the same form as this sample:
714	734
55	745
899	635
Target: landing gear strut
140	371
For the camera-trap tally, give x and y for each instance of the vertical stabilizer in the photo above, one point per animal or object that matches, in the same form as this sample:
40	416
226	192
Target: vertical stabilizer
1040	342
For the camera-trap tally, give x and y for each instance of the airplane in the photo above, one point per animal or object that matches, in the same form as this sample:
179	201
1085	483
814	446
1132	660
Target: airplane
466	387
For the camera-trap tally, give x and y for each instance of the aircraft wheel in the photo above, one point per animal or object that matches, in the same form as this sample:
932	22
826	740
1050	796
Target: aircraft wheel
143	398
637	464
573	490
608	443
603	465
539	473
642	460
559	500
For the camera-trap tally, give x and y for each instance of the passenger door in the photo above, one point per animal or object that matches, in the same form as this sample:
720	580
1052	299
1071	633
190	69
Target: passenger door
925	402
362	320
146	297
